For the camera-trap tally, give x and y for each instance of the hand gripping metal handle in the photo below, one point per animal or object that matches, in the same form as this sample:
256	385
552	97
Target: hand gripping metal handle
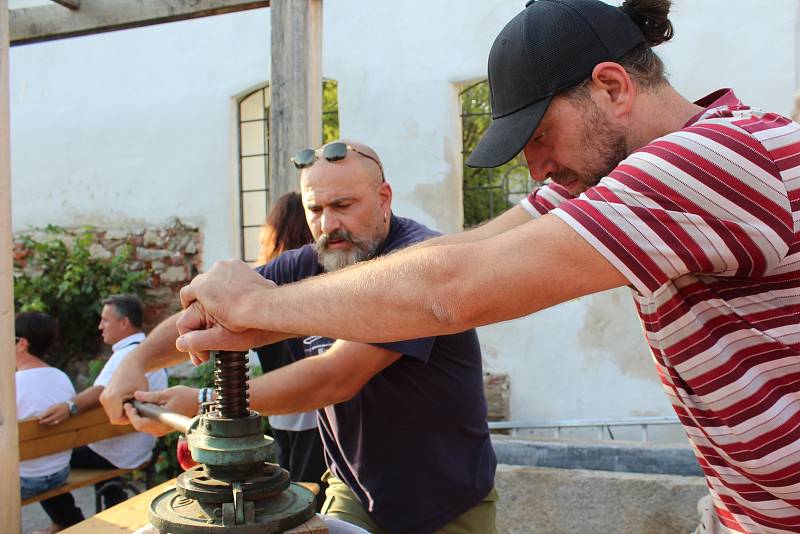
179	422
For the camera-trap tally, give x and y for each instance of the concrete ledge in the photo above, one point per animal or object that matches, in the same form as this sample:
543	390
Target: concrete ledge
536	500
620	456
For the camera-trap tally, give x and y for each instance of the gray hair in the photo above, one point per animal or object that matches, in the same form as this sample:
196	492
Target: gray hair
127	306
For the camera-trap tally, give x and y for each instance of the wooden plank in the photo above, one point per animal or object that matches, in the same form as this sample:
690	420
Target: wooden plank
295	88
31	429
78	478
37	440
315	525
9	459
124	518
71	439
313	487
49	22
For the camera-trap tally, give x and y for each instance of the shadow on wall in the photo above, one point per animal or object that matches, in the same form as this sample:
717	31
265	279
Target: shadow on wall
612	331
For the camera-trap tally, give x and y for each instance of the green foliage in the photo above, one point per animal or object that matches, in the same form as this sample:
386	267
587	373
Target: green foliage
64	280
202	376
167	466
95	366
256	371
330	111
487	192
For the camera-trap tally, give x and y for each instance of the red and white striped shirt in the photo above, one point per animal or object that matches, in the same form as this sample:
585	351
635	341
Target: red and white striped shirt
705	225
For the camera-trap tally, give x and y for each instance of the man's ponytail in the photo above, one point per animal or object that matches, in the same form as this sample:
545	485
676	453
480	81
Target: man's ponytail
652	17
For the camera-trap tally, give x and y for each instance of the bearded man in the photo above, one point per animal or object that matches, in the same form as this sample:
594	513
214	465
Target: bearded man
403	424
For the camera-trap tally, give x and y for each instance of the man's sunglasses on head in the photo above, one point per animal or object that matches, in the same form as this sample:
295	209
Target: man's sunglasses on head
333	152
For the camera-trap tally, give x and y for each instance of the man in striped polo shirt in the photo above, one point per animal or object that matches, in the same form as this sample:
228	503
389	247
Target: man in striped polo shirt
694	206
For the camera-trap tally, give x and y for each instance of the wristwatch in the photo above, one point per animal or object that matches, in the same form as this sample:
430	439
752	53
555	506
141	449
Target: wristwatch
73	408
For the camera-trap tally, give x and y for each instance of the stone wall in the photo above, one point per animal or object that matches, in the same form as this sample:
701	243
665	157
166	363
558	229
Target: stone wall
536	500
170	255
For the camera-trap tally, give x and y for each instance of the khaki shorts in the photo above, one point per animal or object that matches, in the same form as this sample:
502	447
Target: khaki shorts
342	504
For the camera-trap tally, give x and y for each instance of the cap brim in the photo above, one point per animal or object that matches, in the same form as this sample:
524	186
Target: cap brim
507	136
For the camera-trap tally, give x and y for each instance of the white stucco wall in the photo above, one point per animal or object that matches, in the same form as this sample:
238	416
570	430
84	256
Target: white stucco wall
135	127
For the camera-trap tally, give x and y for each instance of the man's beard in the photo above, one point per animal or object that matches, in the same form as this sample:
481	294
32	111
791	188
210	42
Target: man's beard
604	147
333	260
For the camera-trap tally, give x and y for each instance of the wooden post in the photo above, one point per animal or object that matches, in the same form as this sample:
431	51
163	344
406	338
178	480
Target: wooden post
9	459
295	88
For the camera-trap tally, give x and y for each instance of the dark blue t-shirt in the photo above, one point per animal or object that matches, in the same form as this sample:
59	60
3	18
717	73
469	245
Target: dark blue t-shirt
413	444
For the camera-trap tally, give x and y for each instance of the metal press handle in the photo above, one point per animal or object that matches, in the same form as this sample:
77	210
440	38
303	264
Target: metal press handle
179	422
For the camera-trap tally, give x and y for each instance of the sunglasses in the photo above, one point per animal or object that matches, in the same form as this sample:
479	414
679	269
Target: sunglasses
333	152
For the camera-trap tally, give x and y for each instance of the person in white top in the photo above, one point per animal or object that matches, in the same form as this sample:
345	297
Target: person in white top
38	386
121	327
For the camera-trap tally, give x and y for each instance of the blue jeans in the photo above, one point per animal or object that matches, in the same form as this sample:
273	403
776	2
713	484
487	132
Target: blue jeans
31	486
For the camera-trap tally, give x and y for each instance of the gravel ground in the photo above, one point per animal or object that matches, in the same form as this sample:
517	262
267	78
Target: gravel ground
33	515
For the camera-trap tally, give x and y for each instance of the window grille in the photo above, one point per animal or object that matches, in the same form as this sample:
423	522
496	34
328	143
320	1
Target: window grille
487	192
253	123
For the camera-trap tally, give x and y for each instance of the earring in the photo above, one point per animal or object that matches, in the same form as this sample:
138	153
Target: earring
385	217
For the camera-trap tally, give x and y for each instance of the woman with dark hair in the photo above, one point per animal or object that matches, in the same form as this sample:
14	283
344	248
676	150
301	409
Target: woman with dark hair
298	442
38	387
284	229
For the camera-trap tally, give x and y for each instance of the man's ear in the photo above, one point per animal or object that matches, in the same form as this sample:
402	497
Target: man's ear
613	89
385	196
23	344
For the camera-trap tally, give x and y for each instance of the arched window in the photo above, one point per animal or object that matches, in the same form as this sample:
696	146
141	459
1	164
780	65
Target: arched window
487	192
253	124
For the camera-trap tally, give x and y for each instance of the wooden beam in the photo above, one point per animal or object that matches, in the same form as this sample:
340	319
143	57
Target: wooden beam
295	112
9	459
50	22
72	4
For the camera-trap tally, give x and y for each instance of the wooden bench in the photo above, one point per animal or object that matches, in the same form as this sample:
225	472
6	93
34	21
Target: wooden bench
37	440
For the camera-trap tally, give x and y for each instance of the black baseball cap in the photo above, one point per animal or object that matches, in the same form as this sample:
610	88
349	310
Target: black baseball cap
550	46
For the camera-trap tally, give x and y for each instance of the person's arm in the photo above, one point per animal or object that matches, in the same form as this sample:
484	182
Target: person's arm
414	293
182	400
155	352
158	351
308	384
58	413
507	220
318	381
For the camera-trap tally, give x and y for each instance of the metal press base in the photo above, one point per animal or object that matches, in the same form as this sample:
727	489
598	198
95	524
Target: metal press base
173	513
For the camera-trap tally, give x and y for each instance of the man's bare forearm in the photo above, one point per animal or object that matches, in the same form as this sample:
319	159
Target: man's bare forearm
299	387
502	223
417	292
320	305
428	269
438	289
318	381
158	350
88	398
